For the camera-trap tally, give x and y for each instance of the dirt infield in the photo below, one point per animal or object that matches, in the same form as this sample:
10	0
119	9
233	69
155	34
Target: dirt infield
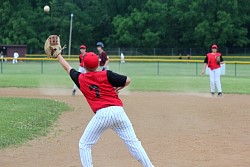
176	130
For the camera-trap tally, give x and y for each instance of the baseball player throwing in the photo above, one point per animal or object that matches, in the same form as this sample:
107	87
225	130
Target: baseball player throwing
213	61
100	90
81	68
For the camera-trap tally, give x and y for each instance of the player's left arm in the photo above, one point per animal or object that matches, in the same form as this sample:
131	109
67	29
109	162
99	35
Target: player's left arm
107	60
118	81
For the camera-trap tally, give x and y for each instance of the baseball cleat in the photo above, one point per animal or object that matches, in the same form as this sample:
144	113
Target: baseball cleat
74	92
220	94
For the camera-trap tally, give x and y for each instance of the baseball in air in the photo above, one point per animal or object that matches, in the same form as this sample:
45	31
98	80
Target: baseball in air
46	8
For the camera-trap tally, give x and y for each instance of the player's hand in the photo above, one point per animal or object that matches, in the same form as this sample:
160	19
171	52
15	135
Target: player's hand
117	89
202	72
52	46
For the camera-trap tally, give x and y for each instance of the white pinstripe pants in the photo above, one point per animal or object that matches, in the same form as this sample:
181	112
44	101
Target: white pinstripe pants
81	70
116	119
214	76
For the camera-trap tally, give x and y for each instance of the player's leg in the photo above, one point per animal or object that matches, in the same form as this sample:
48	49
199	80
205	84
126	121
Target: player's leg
74	90
100	68
217	81
212	81
98	124
123	127
82	70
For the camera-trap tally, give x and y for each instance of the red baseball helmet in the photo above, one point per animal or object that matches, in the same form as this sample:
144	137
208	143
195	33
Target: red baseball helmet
91	60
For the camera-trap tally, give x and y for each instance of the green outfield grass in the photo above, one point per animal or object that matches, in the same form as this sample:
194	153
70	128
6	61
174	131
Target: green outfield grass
22	119
152	76
235	85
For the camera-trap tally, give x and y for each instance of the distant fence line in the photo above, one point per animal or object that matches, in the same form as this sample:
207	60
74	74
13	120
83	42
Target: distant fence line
143	59
227	51
176	51
159	59
234	58
134	66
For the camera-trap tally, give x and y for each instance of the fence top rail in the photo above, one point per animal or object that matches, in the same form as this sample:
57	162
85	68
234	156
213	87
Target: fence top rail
130	60
148	56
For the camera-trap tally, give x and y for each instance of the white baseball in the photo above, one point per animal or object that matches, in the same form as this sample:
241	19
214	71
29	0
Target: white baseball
46	8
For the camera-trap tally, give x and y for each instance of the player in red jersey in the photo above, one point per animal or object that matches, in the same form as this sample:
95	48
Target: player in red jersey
100	89
214	69
81	68
103	57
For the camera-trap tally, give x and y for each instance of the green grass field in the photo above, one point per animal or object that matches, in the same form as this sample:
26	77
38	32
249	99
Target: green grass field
173	77
24	119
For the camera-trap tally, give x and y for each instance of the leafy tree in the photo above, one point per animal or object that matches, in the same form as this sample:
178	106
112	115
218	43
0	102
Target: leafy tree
127	23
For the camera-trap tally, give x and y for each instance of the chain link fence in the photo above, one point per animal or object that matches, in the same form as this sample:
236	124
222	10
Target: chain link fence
157	51
130	67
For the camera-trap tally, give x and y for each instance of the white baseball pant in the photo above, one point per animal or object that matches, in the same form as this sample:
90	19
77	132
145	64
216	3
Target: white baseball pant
214	76
81	70
101	67
116	119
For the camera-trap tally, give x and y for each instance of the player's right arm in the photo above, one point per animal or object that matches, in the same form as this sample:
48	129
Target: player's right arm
64	63
72	72
205	65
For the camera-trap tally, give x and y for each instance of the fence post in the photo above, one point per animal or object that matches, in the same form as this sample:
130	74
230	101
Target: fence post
158	67
41	66
119	51
235	69
196	65
119	66
1	66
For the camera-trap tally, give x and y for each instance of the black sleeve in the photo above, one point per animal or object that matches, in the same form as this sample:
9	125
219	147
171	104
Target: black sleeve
116	80
206	60
74	76
221	59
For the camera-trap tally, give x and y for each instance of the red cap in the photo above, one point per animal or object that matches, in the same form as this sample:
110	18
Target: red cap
82	47
91	60
214	46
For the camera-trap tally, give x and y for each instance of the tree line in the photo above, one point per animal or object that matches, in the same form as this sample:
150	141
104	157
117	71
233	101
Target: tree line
127	23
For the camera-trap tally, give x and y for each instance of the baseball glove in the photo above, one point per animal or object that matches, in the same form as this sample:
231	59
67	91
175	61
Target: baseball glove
52	46
218	60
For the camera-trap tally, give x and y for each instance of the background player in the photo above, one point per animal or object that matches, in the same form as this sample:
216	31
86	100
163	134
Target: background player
15	57
214	69
103	58
100	89
81	68
122	58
